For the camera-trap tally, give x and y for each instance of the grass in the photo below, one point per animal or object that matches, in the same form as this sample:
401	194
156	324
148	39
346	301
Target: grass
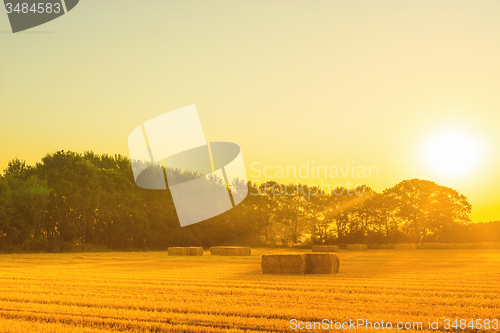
151	292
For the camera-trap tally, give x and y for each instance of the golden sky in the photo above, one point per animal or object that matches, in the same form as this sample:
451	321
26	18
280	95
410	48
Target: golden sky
352	83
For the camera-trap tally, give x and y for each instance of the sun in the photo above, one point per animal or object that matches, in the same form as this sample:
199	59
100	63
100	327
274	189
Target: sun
452	153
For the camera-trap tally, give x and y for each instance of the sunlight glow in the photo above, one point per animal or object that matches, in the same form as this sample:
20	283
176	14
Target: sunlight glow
452	153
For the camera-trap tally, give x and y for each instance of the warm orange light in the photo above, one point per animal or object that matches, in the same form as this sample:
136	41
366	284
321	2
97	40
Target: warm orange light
453	153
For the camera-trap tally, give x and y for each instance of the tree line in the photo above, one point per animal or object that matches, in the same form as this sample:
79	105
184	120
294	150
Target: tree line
72	201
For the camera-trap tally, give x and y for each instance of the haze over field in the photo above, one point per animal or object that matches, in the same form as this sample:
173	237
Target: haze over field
408	88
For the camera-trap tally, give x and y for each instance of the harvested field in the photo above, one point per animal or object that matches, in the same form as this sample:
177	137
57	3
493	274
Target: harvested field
151	291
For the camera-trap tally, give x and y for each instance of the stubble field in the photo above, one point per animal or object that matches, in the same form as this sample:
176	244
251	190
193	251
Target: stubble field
151	292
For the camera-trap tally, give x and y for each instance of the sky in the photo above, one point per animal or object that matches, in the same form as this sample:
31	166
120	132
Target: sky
326	83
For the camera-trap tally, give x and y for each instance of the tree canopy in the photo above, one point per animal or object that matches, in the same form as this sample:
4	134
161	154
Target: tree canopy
89	201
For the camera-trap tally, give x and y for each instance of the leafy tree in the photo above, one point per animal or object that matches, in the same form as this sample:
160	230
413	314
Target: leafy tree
5	212
426	207
70	200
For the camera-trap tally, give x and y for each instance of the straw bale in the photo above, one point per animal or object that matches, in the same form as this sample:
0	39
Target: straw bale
177	251
321	263
283	263
230	251
405	247
195	251
357	247
325	248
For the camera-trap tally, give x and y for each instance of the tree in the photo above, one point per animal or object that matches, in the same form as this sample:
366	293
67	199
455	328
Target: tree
28	201
426	207
16	166
72	199
5	212
294	209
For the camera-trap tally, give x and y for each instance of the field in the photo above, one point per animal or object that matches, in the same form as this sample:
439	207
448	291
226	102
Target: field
151	292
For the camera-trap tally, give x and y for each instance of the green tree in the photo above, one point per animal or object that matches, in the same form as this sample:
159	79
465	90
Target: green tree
28	200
